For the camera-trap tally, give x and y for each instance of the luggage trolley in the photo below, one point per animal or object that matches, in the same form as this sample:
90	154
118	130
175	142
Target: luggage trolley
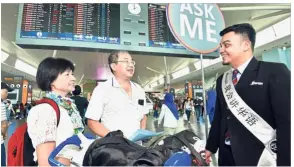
177	159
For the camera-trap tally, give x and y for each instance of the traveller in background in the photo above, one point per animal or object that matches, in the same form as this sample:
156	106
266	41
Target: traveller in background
22	110
17	110
4	123
155	108
193	110
81	102
170	114
197	106
27	109
10	108
210	105
9	112
188	108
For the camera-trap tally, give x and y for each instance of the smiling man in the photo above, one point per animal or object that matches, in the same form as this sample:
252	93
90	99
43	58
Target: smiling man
118	102
251	125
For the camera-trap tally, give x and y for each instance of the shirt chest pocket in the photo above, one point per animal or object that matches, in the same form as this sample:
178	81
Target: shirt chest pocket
120	106
139	102
136	108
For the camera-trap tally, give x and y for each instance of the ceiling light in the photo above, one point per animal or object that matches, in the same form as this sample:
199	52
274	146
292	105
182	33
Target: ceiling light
153	84
154	70
161	81
4	56
274	32
22	66
181	73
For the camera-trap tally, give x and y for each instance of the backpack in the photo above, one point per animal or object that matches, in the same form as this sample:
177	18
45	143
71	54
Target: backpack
20	148
183	141
115	150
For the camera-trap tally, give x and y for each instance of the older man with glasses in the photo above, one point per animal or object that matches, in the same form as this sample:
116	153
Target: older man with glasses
118	103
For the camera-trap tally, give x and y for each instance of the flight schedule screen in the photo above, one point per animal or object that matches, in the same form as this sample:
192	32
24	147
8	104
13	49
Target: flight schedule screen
159	32
74	22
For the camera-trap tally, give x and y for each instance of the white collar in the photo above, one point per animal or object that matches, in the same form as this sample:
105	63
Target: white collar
116	84
242	67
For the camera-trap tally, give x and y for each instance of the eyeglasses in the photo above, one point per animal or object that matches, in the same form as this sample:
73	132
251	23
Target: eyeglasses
127	62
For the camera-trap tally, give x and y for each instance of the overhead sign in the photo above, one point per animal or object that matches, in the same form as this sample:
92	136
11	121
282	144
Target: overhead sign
196	26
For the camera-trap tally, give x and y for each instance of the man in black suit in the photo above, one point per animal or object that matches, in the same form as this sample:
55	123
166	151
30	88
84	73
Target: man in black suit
265	88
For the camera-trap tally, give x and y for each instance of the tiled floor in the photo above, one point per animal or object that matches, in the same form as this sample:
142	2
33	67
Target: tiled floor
197	127
152	125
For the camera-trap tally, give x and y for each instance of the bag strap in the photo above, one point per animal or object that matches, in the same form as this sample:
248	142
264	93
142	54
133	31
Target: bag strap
191	148
155	140
53	104
122	140
116	140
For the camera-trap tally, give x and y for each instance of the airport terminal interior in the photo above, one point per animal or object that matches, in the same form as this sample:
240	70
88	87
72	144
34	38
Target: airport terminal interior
86	34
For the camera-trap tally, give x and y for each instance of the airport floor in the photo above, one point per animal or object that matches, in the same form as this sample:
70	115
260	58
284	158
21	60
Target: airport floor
152	125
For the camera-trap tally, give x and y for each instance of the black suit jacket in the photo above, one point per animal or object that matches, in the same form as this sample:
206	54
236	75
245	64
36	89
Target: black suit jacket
271	101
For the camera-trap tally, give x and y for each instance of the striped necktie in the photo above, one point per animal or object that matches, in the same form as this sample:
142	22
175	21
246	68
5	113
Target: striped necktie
235	81
234	77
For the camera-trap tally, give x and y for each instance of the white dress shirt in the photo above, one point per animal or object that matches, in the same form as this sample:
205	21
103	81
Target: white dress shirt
242	68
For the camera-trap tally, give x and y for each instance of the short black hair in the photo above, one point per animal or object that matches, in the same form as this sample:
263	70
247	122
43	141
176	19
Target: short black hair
77	90
49	69
113	57
245	29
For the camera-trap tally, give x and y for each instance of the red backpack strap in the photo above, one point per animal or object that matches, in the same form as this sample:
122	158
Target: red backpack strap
53	104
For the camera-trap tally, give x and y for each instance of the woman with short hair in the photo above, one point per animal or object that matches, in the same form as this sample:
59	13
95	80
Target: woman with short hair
55	76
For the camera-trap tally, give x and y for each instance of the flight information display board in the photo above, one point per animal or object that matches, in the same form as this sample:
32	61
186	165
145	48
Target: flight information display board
159	32
97	27
74	22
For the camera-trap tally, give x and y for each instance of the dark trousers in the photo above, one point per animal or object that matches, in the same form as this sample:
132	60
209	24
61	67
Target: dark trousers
188	113
3	155
155	114
197	111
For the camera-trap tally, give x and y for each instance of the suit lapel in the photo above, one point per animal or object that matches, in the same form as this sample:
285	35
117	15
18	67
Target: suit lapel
248	75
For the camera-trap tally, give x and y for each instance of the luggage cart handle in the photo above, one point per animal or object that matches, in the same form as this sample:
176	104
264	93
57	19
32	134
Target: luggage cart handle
74	140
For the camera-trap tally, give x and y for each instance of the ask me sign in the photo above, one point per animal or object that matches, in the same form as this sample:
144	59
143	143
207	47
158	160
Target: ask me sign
196	26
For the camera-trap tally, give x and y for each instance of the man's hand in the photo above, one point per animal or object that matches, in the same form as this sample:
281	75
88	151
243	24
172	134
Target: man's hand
208	156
